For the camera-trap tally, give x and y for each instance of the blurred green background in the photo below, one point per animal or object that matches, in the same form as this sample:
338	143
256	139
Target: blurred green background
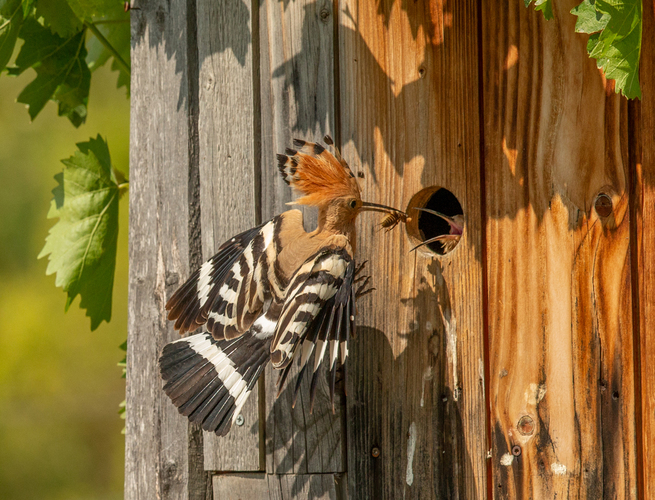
60	387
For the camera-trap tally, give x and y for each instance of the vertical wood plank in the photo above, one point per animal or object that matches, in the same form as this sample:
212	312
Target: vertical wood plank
644	189
560	319
157	454
409	118
297	89
227	176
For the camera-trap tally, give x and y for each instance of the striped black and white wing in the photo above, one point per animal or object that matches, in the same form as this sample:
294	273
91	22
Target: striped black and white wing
318	316
228	292
209	380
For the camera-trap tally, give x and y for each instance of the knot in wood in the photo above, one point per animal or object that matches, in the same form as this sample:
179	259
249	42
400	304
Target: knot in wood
603	205
525	425
375	452
324	14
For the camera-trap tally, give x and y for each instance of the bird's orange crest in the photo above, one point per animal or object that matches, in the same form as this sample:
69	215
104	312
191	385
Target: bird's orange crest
315	173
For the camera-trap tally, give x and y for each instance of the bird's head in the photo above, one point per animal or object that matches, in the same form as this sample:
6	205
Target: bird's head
325	180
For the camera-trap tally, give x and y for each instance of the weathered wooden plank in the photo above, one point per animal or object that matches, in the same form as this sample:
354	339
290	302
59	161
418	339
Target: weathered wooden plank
409	118
227	177
314	486
297	89
559	285
157	461
644	189
256	486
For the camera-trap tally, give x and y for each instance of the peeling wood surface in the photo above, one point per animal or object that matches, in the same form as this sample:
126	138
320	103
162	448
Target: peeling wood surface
227	178
297	101
559	281
409	120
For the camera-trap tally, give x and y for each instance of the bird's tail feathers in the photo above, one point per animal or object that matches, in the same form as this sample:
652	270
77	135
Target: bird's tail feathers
209	380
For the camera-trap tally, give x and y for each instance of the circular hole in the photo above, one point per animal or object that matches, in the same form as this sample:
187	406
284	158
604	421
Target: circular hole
603	205
424	226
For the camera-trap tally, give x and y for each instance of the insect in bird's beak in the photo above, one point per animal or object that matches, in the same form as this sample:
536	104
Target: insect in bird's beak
450	240
393	217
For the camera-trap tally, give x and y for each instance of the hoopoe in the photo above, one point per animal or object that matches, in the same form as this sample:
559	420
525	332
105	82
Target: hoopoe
448	241
273	293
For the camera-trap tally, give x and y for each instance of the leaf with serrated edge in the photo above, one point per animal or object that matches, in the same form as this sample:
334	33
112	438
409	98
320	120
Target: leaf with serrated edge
589	19
82	245
545	6
62	73
615	40
59	17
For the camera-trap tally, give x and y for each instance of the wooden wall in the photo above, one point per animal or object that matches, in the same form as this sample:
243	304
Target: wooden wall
515	366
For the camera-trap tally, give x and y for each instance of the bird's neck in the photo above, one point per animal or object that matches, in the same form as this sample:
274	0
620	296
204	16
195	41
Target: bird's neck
331	223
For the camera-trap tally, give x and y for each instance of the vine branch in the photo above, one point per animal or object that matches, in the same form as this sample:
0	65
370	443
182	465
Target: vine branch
94	29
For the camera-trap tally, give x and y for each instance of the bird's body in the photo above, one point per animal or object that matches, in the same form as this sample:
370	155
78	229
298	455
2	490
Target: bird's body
272	293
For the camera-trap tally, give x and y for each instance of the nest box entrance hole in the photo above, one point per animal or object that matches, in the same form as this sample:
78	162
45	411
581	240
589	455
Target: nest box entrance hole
424	226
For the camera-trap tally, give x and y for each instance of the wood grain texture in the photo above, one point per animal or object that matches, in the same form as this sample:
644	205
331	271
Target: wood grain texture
409	120
256	486
644	188
559	281
227	177
297	101
156	455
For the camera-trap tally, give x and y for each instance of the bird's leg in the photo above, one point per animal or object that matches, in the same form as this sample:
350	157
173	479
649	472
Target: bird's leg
361	290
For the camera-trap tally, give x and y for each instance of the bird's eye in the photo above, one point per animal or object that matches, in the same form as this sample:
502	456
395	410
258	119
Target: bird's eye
353	204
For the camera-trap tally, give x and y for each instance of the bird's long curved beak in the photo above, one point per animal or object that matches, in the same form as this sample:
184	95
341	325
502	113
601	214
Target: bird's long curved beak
374	207
449	241
455	227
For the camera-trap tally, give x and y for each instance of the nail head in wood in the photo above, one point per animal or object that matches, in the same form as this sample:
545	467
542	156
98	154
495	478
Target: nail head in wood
516	450
375	452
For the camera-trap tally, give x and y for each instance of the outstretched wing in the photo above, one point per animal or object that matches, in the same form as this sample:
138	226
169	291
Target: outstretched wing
228	291
319	311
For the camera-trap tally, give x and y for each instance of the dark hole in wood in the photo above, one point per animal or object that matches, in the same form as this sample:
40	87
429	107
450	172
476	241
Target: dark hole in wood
615	395
430	226
516	450
603	205
525	425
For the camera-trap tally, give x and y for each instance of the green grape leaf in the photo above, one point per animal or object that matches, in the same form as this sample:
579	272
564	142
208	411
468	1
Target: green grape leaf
88	10
61	71
82	245
59	17
615	27
117	33
11	19
589	19
545	6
